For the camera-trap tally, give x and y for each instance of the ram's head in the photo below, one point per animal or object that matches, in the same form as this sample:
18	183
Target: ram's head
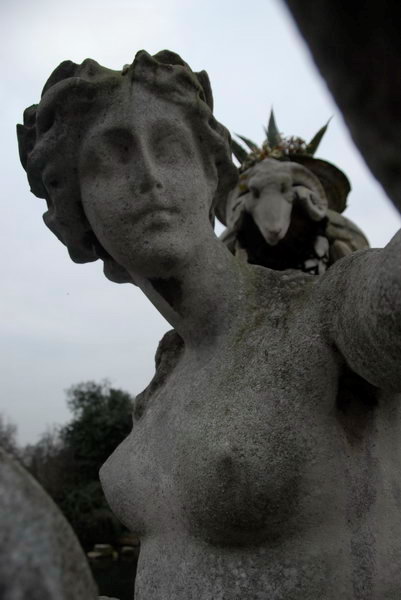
269	190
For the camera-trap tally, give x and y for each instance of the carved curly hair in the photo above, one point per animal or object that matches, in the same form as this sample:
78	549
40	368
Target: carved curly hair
72	100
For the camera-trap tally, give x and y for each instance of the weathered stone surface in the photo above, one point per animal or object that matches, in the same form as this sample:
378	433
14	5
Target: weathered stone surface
264	459
40	557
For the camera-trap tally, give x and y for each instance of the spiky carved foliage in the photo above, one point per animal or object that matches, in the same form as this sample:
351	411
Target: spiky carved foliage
275	145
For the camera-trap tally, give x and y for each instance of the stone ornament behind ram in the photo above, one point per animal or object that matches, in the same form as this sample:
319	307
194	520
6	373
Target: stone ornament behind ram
286	209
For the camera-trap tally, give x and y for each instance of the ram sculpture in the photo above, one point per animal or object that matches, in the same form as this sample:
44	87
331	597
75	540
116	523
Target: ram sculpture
283	215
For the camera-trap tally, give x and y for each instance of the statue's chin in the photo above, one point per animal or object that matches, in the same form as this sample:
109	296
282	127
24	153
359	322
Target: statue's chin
115	272
119	274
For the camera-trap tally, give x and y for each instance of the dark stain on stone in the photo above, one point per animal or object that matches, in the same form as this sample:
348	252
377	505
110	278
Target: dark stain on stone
356	403
170	289
168	353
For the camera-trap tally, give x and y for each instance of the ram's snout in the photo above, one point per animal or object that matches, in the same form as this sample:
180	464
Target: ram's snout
271	213
271	189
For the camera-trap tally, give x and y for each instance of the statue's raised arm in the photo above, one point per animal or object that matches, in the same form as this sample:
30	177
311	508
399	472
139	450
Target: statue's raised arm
362	72
363	292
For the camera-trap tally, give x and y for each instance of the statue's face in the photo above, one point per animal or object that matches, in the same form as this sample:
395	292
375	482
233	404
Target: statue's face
144	184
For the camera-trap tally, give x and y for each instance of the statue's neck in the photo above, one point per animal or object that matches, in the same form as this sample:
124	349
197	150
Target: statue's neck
201	296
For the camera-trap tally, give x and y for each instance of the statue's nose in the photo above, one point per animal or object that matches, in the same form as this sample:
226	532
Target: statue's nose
148	183
148	178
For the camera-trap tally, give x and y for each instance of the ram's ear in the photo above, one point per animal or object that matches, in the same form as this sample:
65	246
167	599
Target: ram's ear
310	202
309	192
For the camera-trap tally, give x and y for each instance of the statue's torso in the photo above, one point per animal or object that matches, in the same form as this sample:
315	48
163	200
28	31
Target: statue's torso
259	474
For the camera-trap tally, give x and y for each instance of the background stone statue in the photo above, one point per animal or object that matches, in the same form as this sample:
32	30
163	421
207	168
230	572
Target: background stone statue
40	555
264	462
285	211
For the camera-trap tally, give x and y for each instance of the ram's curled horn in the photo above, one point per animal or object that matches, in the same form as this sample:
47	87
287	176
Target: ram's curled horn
309	191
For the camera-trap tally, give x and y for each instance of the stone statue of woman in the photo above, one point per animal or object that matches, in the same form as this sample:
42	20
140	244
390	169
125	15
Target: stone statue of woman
264	460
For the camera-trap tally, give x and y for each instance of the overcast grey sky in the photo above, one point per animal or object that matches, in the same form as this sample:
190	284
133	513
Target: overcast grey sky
64	323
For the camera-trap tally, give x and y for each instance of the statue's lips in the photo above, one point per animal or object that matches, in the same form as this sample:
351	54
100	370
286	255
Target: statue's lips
154	215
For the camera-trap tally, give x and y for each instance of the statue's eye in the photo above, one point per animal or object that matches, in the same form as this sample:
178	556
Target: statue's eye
166	147
171	148
45	120
170	142
120	142
283	188
53	184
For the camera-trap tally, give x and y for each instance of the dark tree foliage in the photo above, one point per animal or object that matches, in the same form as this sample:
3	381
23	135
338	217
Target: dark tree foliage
102	418
8	435
48	461
66	461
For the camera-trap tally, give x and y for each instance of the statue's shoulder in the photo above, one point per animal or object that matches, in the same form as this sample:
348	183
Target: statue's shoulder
278	298
344	273
281	285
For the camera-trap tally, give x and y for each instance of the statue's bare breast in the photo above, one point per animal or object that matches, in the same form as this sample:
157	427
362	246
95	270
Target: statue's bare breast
225	442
